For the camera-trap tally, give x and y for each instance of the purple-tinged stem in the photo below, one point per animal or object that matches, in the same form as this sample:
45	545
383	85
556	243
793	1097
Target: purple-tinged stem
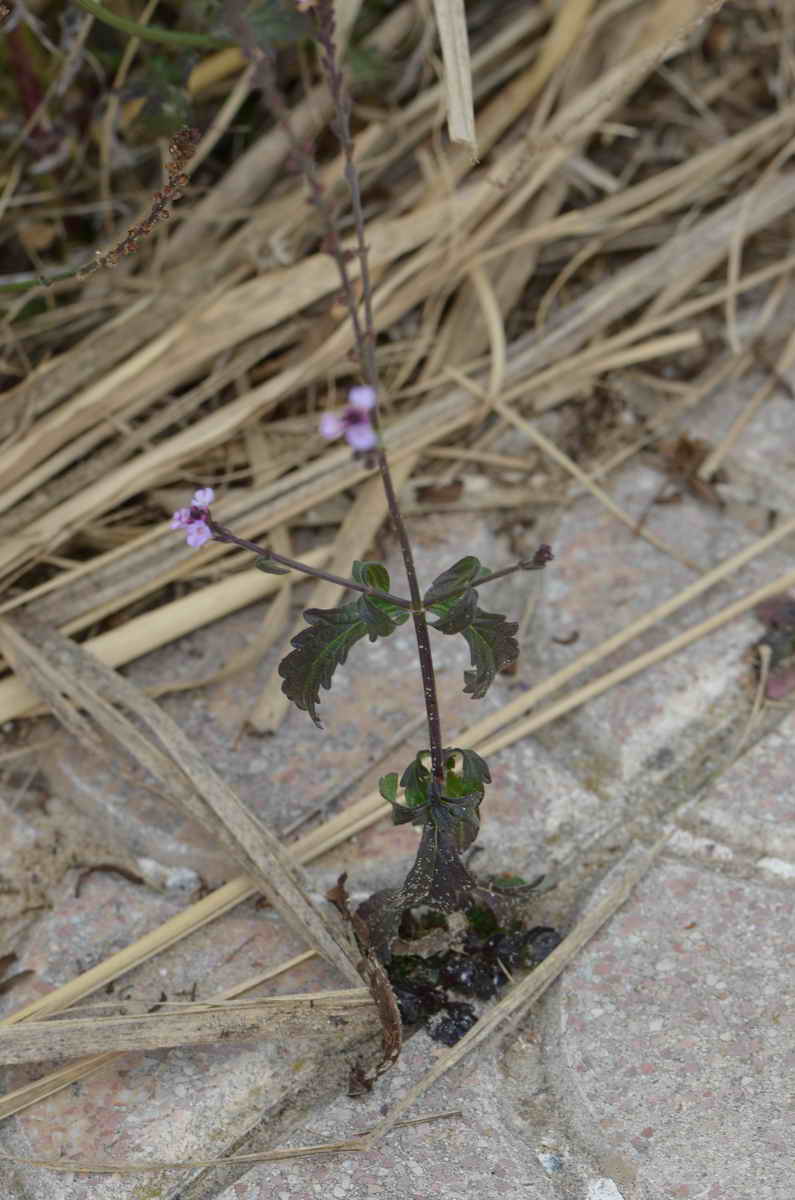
365	344
222	534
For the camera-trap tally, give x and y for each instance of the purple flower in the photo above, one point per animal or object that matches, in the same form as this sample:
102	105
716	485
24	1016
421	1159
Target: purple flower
354	423
195	518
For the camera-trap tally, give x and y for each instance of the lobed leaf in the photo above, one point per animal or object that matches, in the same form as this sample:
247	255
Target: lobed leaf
455	580
492	647
324	645
452	598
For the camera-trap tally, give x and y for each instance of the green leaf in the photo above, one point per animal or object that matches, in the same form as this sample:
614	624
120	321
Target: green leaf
371	574
492	646
474	769
490	637
388	787
416	813
377	616
455	580
331	632
416	780
456	811
263	563
319	650
452	598
457	614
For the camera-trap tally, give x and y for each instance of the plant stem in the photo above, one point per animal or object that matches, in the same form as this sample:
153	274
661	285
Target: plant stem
304	160
365	344
222	534
542	556
153	33
424	652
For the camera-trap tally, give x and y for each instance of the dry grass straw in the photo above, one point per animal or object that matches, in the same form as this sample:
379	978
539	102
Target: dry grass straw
100	423
271	1017
452	26
69	679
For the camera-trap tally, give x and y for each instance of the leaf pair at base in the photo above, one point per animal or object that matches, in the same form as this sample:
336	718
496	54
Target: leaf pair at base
450	820
453	809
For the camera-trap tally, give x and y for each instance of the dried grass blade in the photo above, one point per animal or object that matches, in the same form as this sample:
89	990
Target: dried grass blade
69	677
452	26
55	1081
164	625
271	1017
705	242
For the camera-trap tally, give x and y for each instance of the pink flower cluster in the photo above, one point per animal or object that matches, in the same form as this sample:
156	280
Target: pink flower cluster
194	519
354	423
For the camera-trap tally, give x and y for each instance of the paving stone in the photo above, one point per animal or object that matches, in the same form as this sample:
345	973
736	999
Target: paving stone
669	1045
167	1104
605	577
471	1155
658	1068
752	806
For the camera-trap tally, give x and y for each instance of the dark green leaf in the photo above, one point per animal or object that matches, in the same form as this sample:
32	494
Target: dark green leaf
416	778
459	819
457	613
263	563
371	574
324	645
456	810
319	650
453	599
455	580
416	813
388	787
492	646
378	617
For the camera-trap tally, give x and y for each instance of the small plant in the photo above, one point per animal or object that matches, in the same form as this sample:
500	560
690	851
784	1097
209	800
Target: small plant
442	788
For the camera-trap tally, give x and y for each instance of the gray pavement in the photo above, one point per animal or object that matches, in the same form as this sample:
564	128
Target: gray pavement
660	1065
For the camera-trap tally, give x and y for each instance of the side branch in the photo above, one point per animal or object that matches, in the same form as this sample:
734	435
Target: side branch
222	534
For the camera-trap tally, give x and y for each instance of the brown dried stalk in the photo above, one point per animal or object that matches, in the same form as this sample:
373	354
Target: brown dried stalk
180	148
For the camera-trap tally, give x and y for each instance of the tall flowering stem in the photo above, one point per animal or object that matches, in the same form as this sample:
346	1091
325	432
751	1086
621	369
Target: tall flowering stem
364	334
